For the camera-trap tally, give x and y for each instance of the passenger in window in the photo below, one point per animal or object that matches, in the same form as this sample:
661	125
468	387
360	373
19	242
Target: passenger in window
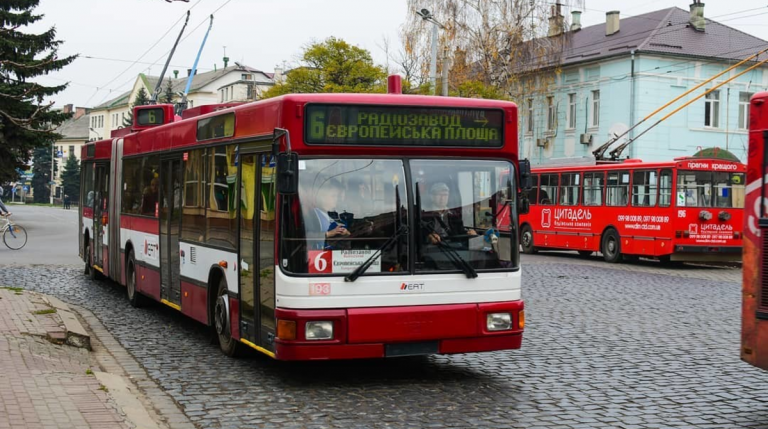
544	197
149	198
328	226
442	222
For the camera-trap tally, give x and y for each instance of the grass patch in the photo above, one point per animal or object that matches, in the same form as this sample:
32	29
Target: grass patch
13	289
46	311
103	388
88	372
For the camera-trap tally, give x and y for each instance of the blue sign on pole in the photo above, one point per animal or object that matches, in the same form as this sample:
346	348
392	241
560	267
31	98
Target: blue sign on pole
59	154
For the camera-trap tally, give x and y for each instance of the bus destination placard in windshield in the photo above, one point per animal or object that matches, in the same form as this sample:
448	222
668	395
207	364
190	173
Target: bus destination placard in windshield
403	126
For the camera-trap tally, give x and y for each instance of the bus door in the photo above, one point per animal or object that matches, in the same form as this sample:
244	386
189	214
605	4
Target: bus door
170	229
257	249
100	214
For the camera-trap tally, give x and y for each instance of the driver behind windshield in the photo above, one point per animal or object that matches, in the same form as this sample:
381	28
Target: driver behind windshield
441	222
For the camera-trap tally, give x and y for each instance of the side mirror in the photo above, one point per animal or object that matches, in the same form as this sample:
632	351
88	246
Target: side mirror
525	174
288	173
523	205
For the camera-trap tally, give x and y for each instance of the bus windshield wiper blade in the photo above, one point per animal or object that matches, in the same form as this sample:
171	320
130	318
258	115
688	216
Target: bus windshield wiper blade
368	262
454	256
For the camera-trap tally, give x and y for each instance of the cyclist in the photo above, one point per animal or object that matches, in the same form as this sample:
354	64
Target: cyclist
3	210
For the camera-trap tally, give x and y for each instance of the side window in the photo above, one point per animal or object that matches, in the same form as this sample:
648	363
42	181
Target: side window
534	192
193	209
548	189
644	187
131	186
618	189
87	193
221	216
569	189
665	188
594	184
150	183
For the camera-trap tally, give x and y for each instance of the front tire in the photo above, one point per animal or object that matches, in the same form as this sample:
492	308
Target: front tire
526	240
15	237
135	298
221	323
611	247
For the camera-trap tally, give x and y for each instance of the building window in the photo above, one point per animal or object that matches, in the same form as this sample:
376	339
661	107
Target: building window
712	110
551	112
246	77
72	151
744	109
595	119
571	111
529	119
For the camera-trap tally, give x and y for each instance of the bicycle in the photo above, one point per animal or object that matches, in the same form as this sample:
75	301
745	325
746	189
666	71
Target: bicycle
14	236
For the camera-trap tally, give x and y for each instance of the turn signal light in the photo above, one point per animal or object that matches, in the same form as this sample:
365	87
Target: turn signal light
521	319
223	264
286	329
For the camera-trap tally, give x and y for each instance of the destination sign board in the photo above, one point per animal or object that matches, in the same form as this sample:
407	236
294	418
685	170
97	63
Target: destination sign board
343	124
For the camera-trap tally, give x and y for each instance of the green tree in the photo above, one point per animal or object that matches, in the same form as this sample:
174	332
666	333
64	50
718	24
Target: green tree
41	168
141	99
168	94
26	121
70	177
332	66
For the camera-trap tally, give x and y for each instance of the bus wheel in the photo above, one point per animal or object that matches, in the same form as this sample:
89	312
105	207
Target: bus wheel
611	246
222	324
135	298
89	270
526	240
585	253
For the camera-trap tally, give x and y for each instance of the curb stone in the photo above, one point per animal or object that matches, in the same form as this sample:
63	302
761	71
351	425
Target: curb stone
115	360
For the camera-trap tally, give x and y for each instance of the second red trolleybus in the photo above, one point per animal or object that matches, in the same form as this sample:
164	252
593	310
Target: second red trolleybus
689	209
317	226
754	317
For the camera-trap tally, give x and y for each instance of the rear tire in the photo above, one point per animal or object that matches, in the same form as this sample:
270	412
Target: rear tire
611	247
526	240
89	270
221	323
135	298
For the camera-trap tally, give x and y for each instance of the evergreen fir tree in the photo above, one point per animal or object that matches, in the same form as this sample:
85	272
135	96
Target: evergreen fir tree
41	168
168	95
26	121
141	99
70	177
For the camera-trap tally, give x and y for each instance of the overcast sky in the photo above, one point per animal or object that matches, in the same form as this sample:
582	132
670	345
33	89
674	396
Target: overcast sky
258	33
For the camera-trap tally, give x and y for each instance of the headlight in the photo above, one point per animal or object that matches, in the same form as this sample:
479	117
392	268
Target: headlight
319	330
499	321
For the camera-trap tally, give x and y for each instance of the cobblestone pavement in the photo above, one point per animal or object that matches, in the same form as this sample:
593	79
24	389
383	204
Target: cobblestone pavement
603	348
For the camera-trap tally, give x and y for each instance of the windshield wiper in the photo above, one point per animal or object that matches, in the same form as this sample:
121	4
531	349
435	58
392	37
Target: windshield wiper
454	256
368	262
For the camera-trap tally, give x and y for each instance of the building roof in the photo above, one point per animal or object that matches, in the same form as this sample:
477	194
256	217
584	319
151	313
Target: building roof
665	31
199	81
75	128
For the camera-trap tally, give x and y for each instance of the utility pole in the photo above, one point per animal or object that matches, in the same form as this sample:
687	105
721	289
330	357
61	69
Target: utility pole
446	65
53	157
427	16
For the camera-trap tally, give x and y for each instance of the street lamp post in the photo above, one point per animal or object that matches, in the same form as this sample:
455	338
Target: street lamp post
53	160
426	15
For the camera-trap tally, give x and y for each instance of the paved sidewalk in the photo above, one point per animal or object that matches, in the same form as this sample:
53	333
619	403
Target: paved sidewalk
50	379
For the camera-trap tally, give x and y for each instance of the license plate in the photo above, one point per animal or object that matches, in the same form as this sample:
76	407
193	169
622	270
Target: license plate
411	349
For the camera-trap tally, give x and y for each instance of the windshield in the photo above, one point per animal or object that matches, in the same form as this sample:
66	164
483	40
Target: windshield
710	189
344	212
463	209
348	209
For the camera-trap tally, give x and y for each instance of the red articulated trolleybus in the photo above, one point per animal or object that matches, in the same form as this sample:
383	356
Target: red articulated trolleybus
754	316
689	209
318	226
